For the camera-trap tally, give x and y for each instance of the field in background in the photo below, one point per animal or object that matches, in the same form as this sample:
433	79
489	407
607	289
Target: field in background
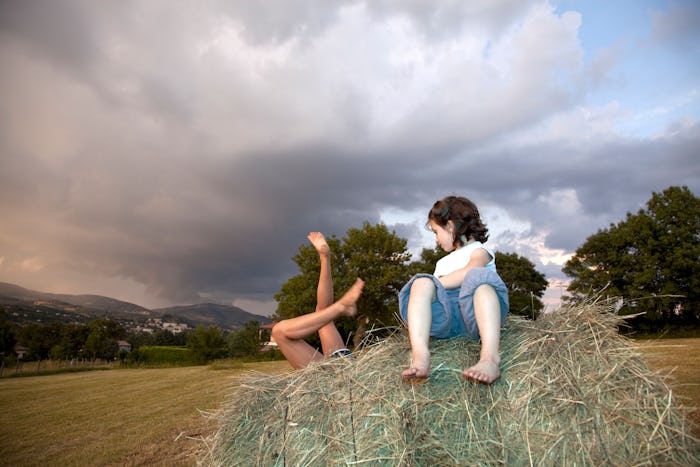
678	360
44	367
114	417
152	416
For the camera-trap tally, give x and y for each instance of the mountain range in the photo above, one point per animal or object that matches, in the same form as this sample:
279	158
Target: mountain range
21	305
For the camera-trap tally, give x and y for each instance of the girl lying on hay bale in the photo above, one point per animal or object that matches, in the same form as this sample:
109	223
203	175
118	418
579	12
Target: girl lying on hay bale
572	392
290	333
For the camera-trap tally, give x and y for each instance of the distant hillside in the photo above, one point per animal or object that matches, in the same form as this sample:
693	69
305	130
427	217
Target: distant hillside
223	316
30	305
24	305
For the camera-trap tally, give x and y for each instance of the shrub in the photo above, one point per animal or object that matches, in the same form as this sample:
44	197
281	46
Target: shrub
152	355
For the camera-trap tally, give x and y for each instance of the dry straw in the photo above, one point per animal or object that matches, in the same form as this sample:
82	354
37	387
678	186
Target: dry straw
572	392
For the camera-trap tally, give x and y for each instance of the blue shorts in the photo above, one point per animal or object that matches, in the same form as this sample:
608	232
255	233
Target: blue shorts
453	310
341	353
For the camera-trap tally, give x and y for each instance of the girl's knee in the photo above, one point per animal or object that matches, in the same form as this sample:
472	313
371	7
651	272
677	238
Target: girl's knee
485	291
278	331
422	290
422	285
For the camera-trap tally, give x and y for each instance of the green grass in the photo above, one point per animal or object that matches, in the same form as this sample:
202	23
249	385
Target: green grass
153	416
117	417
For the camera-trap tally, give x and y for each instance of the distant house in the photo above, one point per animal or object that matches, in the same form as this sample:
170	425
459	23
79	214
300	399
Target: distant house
124	345
175	328
265	336
21	351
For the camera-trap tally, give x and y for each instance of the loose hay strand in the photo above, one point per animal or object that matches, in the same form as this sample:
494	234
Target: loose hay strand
572	391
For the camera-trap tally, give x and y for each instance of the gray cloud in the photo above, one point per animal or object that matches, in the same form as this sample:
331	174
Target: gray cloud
187	152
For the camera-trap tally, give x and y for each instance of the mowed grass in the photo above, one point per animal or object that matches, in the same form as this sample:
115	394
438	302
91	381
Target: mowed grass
159	416
678	361
115	417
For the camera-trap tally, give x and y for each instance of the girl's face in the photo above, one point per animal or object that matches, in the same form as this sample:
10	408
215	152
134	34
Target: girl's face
444	235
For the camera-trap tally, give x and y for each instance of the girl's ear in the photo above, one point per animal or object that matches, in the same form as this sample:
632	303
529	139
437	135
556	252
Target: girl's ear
450	227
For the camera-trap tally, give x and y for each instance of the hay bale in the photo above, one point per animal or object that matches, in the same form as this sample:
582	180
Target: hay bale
572	391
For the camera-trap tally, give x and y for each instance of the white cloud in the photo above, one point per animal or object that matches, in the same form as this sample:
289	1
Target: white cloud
184	151
34	264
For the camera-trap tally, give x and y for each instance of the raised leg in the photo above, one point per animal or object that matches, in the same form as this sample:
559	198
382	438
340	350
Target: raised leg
329	335
290	333
487	310
419	320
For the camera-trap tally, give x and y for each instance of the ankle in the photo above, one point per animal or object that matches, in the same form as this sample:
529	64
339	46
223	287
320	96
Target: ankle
420	355
490	357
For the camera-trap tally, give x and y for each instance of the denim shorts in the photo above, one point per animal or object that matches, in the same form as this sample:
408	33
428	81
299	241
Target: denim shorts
341	353
453	310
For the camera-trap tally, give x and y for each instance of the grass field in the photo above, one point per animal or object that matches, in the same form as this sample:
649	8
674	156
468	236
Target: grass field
154	416
678	360
115	417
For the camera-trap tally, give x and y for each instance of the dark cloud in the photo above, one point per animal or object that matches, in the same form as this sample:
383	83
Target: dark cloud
189	152
678	26
61	32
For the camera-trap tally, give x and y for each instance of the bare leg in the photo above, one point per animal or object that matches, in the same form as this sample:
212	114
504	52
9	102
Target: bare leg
289	334
329	335
419	320
487	311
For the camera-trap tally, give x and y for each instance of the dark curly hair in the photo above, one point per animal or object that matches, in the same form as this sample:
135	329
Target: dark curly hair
465	217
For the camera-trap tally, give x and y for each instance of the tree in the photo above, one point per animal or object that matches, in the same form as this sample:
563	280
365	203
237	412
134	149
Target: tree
40	339
73	339
163	337
526	285
381	259
206	344
428	259
246	341
7	339
101	342
650	259
373	253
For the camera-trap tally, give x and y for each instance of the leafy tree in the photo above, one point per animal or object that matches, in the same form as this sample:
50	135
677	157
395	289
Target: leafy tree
139	339
101	342
650	259
40	339
380	258
7	338
206	344
246	341
163	337
73	339
373	253
428	259
526	285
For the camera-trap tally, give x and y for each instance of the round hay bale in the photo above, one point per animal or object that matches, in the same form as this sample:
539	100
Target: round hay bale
572	391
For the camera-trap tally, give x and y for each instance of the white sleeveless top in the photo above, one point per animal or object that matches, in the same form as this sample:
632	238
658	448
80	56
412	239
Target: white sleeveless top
460	258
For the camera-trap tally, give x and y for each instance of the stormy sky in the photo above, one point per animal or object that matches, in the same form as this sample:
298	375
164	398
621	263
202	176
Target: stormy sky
175	152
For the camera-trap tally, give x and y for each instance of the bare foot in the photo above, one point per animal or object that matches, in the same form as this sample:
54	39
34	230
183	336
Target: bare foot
319	242
485	371
349	300
418	372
